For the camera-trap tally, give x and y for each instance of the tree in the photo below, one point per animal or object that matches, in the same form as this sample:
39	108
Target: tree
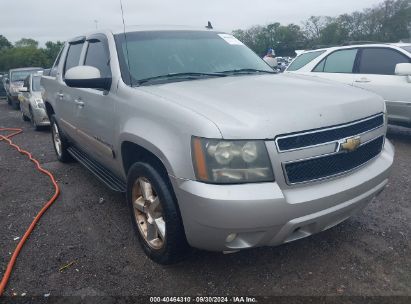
4	43
22	57
26	42
52	50
284	39
314	25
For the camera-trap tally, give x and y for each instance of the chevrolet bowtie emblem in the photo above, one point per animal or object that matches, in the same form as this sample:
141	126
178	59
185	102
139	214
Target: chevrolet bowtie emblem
350	144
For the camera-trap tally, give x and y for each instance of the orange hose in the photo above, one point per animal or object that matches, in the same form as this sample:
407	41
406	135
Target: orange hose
26	235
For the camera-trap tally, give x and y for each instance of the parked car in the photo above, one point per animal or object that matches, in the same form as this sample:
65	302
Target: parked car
2	87
381	68
15	82
209	150
31	102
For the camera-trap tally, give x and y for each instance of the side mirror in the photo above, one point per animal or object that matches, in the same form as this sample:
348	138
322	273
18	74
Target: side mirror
87	77
23	90
271	61
403	69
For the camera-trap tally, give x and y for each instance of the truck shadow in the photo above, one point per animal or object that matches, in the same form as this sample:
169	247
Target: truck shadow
397	133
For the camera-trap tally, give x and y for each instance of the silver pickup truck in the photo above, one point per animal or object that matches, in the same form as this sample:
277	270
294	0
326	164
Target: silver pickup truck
213	149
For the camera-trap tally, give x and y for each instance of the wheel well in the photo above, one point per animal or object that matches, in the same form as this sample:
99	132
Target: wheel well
49	109
132	153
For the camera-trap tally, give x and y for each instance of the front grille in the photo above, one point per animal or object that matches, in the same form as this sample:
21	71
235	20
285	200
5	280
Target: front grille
331	165
316	137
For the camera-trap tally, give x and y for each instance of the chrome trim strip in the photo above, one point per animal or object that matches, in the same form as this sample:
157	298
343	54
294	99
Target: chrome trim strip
327	129
325	155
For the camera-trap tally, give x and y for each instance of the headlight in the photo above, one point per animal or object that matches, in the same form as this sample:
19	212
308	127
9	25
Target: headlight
39	103
231	161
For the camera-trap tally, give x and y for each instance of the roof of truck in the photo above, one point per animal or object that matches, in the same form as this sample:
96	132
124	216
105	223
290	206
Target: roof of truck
144	28
147	28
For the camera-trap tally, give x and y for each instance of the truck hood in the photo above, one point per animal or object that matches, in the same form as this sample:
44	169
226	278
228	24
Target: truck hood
264	106
17	84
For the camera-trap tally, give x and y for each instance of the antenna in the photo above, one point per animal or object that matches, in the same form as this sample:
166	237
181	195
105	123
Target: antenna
125	38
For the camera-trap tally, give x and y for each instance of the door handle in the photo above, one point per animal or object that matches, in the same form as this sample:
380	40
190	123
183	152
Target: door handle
79	102
363	80
61	95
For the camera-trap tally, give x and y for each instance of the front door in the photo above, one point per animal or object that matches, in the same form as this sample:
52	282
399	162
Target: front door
377	74
95	109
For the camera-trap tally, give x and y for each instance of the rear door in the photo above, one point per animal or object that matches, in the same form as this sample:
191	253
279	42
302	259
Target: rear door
95	108
376	73
65	106
338	66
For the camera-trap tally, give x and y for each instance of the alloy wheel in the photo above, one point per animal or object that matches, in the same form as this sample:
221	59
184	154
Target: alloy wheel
56	138
148	213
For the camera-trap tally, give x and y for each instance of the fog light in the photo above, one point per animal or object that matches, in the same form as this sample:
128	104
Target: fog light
231	237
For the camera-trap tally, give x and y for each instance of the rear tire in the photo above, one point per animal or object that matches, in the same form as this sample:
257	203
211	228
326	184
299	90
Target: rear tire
164	240
60	143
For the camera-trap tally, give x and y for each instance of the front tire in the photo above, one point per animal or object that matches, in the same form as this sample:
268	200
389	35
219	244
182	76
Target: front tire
23	116
15	104
155	215
60	143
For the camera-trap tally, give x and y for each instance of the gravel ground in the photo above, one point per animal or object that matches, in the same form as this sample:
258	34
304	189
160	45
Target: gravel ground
89	229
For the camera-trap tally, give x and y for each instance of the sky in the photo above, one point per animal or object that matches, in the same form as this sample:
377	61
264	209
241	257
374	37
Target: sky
45	20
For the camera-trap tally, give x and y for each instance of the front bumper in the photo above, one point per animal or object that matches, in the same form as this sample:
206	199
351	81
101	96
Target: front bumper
265	215
40	117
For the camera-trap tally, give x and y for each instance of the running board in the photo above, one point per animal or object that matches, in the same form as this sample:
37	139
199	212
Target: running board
103	174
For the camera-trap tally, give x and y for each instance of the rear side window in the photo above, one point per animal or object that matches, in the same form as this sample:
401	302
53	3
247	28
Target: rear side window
53	71
338	62
380	61
97	56
73	56
304	59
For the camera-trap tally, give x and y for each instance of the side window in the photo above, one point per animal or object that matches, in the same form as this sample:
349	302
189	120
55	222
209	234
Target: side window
320	66
73	56
380	61
97	56
338	62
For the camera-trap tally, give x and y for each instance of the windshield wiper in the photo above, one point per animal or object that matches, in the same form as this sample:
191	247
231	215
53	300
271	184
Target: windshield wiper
246	71
186	75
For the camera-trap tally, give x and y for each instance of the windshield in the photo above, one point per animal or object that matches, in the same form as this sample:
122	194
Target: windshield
36	84
407	48
304	59
159	53
21	75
